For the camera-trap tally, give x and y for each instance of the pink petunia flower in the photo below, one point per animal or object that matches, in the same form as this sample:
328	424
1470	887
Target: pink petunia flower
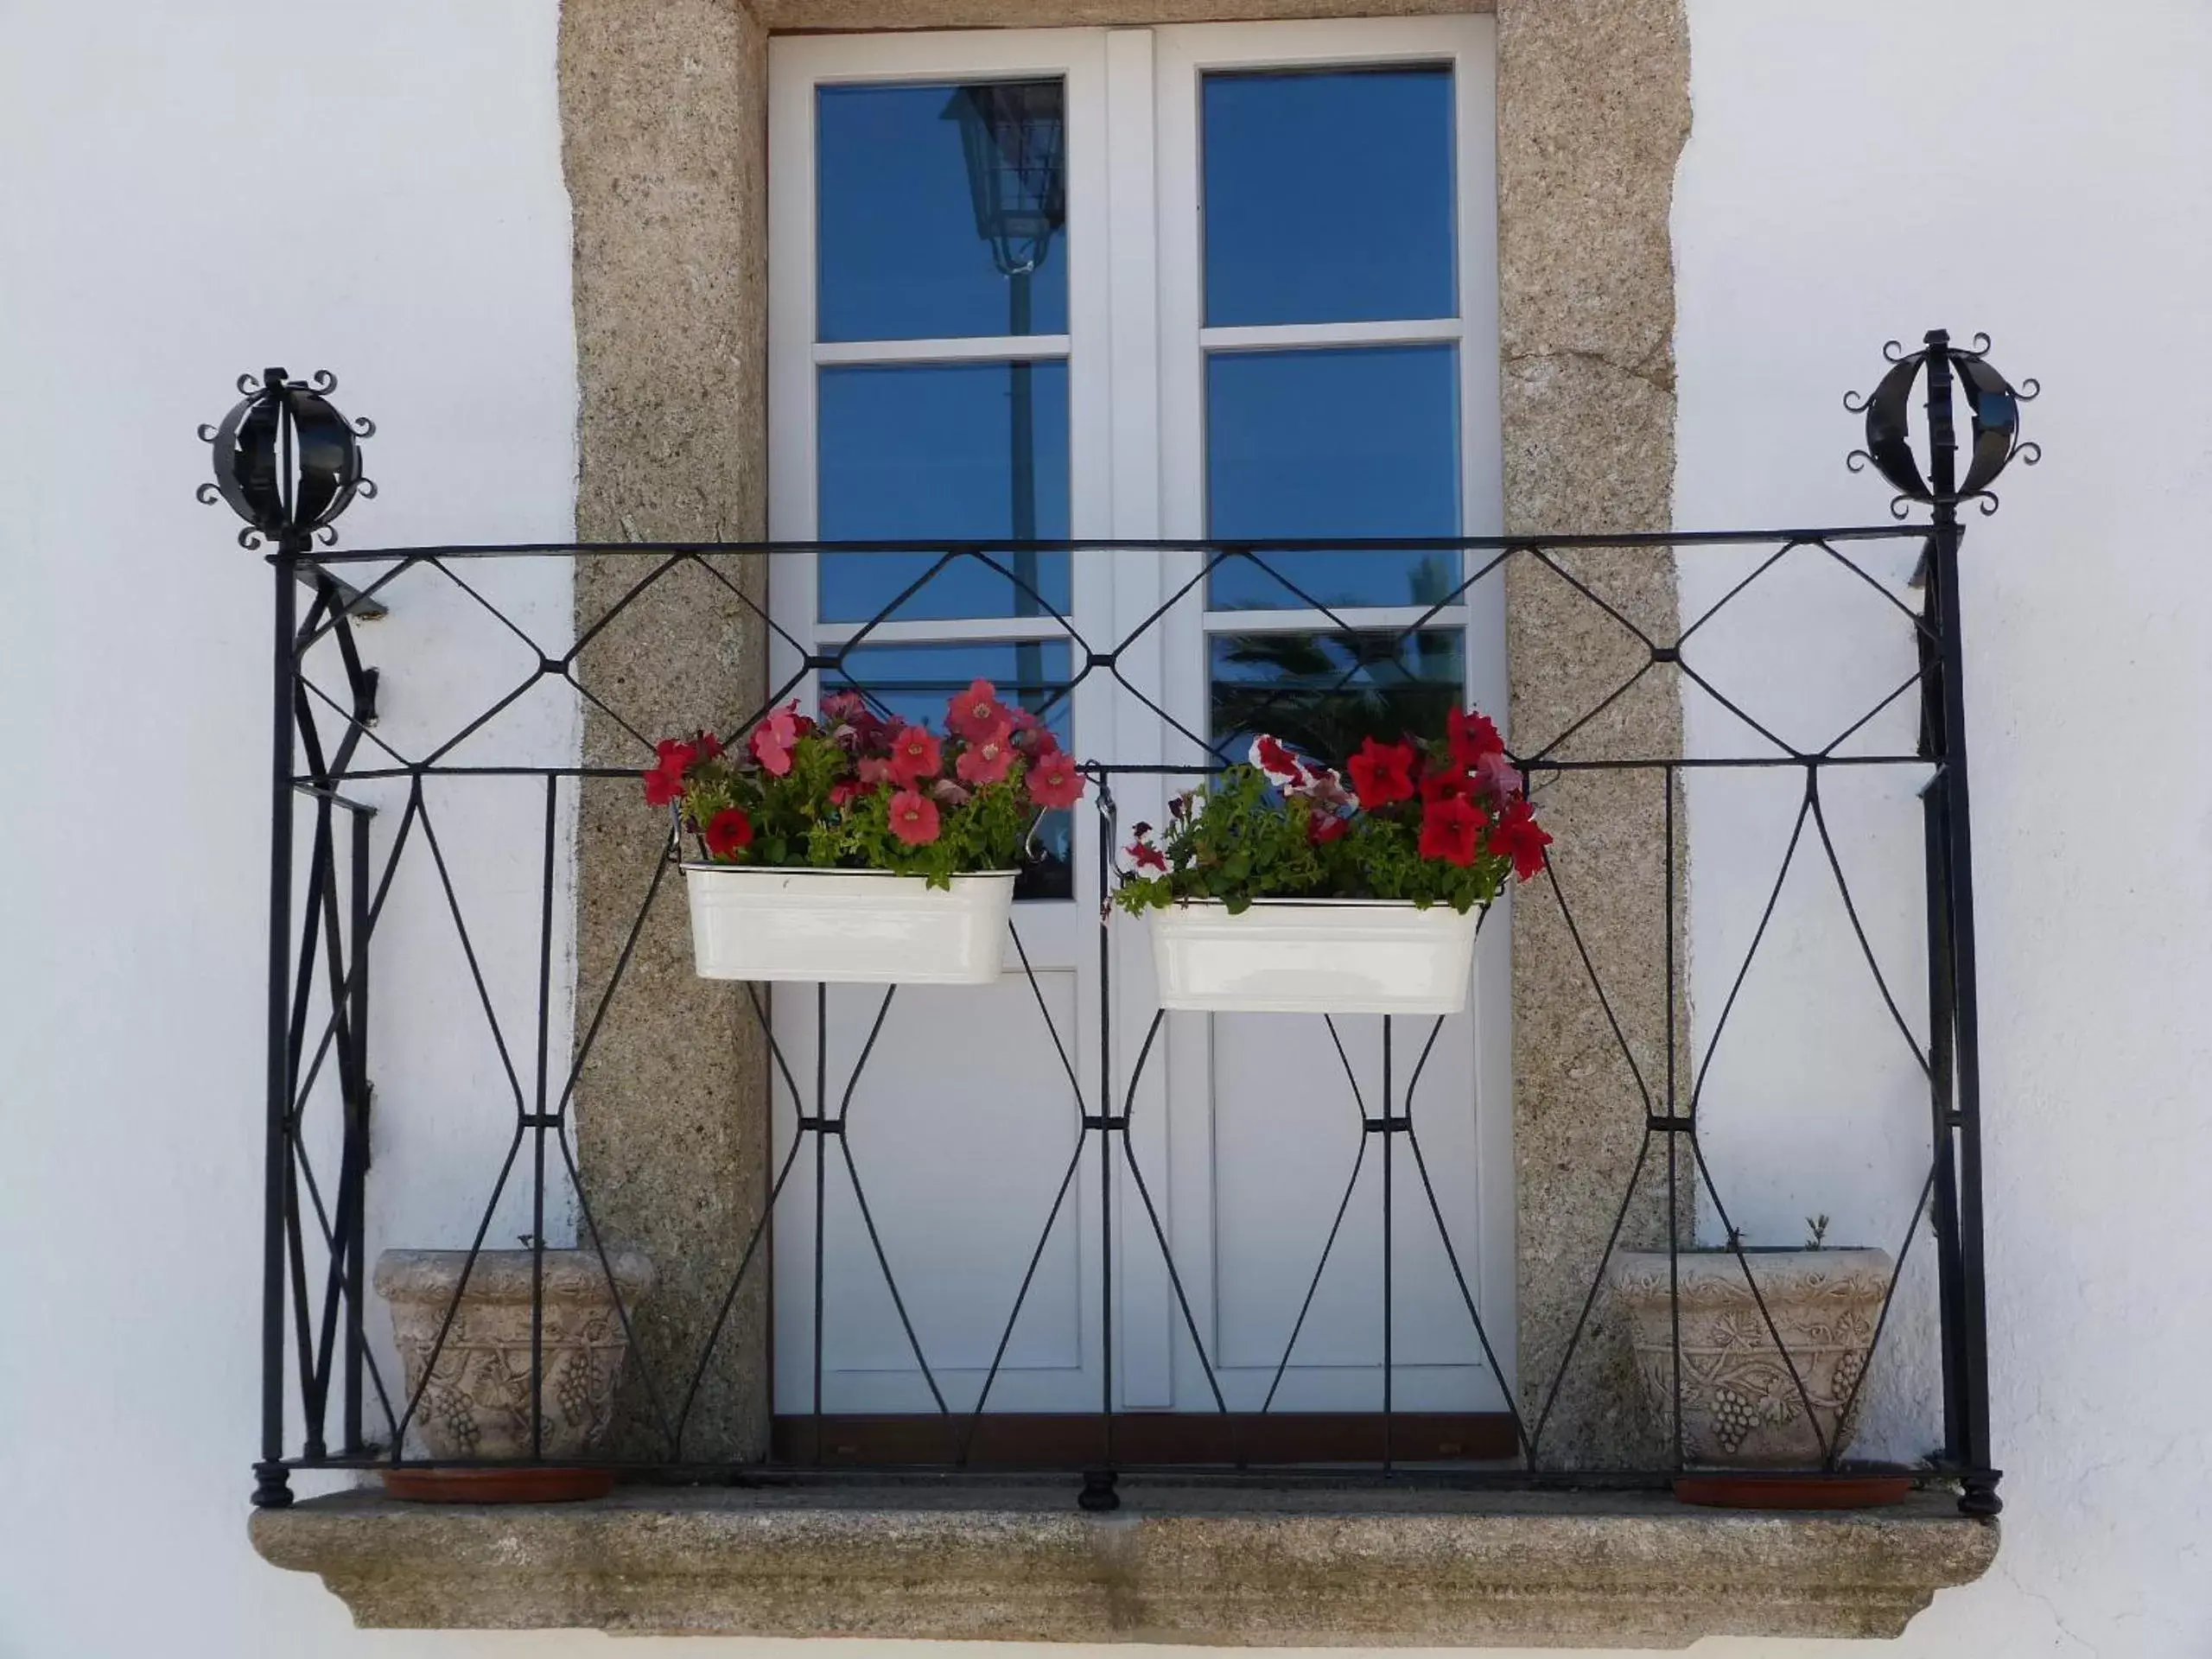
914	817
1497	776
986	762
914	756
1054	781
773	738
977	714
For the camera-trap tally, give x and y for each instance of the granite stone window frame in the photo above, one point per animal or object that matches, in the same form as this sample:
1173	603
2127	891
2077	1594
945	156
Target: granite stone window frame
665	137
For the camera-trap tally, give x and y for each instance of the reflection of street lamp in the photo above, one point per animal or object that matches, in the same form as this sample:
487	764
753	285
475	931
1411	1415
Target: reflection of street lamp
1015	140
1014	137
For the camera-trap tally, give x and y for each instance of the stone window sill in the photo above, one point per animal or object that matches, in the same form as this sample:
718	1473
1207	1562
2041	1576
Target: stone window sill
1180	1562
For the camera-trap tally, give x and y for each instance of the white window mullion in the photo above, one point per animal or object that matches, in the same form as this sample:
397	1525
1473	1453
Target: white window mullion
1010	349
1146	1311
1286	336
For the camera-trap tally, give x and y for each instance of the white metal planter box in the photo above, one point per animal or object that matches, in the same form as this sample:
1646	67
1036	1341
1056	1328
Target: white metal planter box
1313	956
846	926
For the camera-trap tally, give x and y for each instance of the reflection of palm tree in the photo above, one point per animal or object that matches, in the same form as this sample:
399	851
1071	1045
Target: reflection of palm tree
1289	685
1431	581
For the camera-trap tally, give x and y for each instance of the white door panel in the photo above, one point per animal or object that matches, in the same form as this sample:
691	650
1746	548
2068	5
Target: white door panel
1245	1130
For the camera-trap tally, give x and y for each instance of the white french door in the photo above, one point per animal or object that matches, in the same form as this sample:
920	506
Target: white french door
1257	301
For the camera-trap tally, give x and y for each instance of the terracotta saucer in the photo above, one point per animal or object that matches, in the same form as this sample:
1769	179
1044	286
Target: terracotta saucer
1743	1490
530	1484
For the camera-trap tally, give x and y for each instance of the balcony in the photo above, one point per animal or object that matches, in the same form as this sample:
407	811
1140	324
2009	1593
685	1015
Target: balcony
831	1410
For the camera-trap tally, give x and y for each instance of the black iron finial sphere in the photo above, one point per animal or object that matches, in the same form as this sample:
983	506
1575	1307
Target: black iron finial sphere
286	460
1992	410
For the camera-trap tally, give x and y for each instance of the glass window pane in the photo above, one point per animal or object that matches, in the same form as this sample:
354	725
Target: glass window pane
1364	442
944	452
1325	693
914	683
1328	196
940	211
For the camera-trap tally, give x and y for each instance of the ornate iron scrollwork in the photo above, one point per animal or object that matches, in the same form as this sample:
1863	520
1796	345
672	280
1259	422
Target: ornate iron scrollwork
1992	413
286	460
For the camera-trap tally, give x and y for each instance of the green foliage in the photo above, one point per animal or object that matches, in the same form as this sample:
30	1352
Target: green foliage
798	825
857	794
1241	839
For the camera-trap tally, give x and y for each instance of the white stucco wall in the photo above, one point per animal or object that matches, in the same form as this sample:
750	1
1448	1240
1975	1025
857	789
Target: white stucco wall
1862	171
1857	171
186	193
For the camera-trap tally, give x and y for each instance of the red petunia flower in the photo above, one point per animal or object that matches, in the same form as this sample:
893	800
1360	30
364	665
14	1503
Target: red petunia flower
1325	827
1383	773
1449	829
728	833
1518	837
1447	786
1145	857
914	818
986	761
1471	736
664	779
845	792
1053	781
663	786
871	771
977	714
710	746
915	756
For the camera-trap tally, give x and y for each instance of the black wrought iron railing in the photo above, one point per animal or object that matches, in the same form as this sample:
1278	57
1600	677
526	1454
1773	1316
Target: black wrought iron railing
367	825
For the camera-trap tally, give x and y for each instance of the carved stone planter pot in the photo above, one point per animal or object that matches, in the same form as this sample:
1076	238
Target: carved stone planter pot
478	1401
1741	1408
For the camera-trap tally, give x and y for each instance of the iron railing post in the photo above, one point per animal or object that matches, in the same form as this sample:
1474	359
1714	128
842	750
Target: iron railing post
356	1166
1972	1338
272	1488
1942	974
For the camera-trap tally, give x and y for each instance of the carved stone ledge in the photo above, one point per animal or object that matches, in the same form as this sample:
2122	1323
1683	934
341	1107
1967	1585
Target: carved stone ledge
1183	1562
